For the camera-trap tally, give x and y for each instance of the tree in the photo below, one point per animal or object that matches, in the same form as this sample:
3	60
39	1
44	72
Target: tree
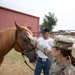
50	21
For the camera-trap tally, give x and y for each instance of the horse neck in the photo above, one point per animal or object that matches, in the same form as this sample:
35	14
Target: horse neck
7	40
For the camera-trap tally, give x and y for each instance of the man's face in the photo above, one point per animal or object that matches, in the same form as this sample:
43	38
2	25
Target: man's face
46	34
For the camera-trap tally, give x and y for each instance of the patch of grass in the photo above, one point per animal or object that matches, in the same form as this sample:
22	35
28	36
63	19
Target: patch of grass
73	36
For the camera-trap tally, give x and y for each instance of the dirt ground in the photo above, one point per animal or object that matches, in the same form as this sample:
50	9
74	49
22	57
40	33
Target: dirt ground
13	64
14	68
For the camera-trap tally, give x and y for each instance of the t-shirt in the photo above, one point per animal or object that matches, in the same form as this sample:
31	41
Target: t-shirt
46	43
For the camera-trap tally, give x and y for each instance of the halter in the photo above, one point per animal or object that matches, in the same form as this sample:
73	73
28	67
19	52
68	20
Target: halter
25	41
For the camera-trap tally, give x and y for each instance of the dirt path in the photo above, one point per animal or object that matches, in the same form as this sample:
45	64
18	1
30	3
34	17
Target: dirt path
13	64
14	67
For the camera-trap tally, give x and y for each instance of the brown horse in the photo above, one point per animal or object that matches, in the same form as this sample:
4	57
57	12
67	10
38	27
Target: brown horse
16	38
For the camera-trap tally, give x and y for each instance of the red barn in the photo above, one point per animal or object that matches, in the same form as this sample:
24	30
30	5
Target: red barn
8	16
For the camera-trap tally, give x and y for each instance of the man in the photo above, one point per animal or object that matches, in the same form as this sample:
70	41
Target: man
43	62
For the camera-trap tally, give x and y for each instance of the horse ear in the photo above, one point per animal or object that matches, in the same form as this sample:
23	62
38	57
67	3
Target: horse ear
18	27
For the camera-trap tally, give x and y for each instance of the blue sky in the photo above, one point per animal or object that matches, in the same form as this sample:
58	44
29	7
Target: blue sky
64	10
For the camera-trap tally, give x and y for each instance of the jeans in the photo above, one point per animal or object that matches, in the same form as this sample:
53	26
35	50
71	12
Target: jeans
42	65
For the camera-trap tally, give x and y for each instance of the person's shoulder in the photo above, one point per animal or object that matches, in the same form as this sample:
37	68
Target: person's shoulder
70	67
40	38
51	39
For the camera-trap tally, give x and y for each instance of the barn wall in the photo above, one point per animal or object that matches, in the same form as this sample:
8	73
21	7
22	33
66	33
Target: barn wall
8	16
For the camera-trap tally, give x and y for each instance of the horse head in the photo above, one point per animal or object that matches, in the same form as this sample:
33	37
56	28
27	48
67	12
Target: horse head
22	43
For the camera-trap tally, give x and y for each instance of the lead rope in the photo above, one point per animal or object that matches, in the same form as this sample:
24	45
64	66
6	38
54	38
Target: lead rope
27	63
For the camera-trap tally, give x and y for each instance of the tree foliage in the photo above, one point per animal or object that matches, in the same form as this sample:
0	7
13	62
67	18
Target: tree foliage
49	20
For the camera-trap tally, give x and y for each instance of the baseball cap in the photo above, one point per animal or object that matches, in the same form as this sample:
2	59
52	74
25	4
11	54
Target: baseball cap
45	29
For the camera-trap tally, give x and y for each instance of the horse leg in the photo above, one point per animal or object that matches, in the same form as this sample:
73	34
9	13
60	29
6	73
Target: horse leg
1	60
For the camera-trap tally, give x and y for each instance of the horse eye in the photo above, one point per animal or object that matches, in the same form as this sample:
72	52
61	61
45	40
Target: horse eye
25	40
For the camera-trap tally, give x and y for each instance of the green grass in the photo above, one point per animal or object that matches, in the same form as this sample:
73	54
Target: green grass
13	54
73	36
